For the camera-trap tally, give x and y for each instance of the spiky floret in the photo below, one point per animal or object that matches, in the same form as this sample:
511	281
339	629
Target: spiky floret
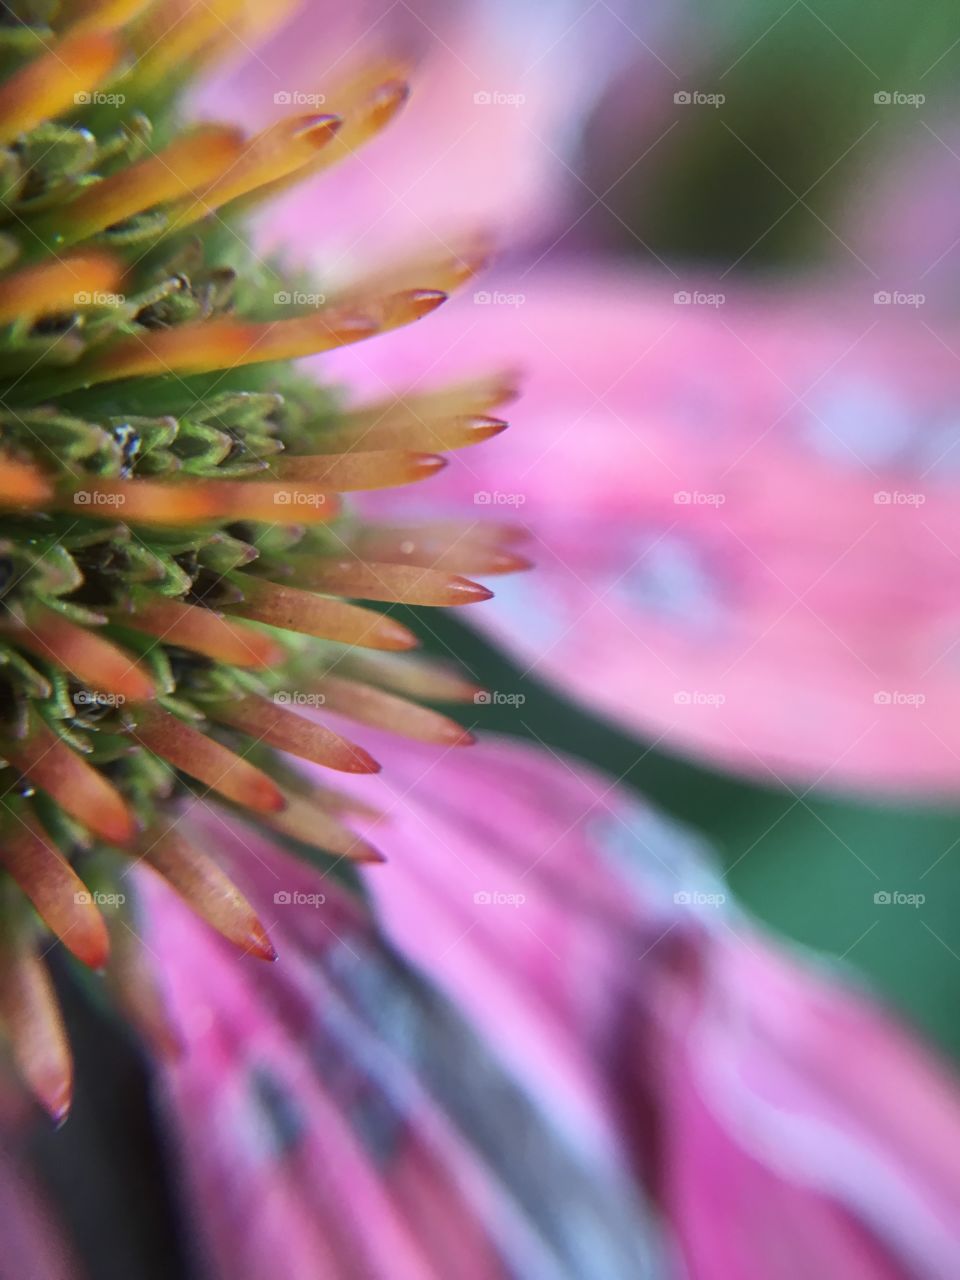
174	554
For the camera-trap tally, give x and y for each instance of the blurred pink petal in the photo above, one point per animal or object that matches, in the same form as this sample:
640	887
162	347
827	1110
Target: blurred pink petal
337	1117
800	1132
744	516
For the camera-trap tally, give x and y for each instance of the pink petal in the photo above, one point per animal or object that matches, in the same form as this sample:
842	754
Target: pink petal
801	1132
744	517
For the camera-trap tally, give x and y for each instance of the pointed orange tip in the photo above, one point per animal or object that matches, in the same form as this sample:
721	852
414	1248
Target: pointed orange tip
367	854
55	1098
359	761
266	797
261	946
481	427
422	301
467	592
95	956
409	305
318	129
423	465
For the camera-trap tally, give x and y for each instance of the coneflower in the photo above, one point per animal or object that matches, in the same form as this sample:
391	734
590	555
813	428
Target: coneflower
176	558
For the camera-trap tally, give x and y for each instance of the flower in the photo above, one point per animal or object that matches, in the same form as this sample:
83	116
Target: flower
551	1054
